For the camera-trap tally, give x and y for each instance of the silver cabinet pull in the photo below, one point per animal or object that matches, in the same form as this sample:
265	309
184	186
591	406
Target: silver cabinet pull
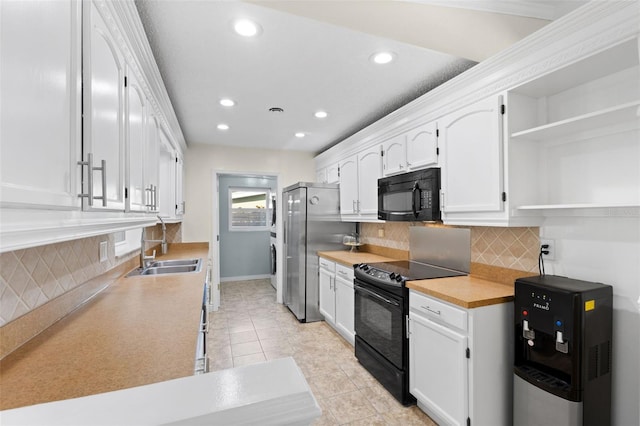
90	169
103	169
431	310
89	194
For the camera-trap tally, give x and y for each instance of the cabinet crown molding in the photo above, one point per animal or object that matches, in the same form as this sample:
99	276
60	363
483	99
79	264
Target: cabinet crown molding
586	30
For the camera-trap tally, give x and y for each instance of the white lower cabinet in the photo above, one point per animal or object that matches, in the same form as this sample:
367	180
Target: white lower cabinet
345	303
460	361
337	298
327	296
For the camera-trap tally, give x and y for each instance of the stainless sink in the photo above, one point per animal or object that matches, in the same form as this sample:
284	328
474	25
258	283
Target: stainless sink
175	262
167	267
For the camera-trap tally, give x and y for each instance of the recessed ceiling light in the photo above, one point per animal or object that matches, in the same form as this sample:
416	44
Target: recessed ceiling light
246	28
321	114
227	102
300	135
382	57
223	127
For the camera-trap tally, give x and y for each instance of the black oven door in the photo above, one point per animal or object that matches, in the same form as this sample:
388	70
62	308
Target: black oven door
379	321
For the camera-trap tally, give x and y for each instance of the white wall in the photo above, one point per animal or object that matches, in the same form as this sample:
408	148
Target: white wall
202	160
607	250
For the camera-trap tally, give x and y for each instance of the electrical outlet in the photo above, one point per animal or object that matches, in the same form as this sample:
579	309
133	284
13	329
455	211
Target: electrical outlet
381	233
551	249
103	251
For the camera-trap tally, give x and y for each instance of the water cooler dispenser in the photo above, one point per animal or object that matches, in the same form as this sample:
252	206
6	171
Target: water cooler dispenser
562	364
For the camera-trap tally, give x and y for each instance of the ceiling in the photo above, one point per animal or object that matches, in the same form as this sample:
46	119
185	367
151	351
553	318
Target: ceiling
313	55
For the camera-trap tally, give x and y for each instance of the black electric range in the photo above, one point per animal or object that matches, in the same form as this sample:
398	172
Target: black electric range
391	276
381	317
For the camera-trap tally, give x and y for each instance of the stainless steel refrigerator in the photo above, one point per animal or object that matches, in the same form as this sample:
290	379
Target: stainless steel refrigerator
311	223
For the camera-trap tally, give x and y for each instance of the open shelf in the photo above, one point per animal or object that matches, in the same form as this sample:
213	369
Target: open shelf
577	206
586	122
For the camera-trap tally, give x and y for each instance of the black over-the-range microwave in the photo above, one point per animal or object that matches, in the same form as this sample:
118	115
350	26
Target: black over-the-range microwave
413	196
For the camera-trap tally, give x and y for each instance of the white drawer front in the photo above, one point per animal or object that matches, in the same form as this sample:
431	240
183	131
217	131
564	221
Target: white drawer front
437	310
327	264
344	272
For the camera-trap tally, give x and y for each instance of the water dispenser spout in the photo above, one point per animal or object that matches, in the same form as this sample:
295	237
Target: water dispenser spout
527	333
561	344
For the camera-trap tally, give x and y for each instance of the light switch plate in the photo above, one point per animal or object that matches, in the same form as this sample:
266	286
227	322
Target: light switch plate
103	251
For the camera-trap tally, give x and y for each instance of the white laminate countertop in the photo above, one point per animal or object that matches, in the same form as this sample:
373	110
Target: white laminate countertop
268	393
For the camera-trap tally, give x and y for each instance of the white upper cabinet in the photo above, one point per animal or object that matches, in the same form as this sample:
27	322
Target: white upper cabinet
333	173
412	150
369	171
422	147
103	141
152	156
359	176
180	204
77	90
40	127
349	186
394	155
472	171
136	124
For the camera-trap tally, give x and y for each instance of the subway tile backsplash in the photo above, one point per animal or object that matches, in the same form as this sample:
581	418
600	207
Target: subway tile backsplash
513	248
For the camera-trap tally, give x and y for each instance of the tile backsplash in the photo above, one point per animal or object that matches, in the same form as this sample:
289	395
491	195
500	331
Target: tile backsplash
31	277
513	248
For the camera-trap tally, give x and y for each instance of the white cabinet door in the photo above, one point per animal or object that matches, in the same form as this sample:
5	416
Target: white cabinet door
394	157
40	126
135	124
321	175
422	146
179	207
345	309
152	154
103	71
439	370
333	173
369	171
472	169
327	295
349	185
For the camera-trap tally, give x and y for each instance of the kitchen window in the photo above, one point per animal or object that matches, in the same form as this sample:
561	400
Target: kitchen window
248	209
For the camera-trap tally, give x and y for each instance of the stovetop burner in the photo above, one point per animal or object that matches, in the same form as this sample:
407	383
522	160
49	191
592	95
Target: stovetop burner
411	270
397	273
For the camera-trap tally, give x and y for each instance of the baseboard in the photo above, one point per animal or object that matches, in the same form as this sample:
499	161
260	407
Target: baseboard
245	278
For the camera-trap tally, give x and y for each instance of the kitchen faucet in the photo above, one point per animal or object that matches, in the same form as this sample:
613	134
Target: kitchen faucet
145	260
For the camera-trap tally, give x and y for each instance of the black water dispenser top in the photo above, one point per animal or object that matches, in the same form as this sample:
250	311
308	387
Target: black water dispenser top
563	338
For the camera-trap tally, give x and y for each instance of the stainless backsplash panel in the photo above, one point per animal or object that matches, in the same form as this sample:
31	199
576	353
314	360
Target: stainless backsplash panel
446	247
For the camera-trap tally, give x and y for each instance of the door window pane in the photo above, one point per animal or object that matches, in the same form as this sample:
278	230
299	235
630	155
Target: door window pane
248	209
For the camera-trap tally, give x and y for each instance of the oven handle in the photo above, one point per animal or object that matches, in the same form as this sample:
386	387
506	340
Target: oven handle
375	295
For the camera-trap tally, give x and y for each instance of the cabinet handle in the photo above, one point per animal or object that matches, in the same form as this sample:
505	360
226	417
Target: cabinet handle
358	203
103	169
89	194
400	166
431	310
90	169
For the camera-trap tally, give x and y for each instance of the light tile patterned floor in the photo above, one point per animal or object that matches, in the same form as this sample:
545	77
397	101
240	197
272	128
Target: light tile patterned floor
252	327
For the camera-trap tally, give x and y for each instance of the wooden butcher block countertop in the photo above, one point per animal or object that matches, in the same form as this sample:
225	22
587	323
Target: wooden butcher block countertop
467	291
139	330
349	258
